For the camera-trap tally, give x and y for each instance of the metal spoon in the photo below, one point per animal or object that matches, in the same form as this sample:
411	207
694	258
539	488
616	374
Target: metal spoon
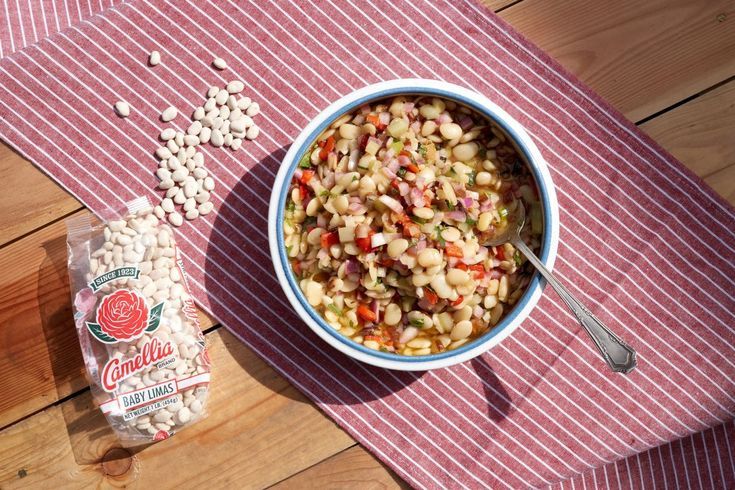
618	355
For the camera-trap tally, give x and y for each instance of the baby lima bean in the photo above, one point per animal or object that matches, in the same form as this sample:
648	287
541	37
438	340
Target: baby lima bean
140	241
223	120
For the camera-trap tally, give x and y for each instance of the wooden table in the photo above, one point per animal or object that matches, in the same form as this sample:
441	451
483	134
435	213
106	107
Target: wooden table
667	64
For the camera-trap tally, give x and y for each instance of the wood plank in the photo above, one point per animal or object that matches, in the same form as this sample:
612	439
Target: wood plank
700	132
352	468
41	360
259	431
640	56
31	199
723	182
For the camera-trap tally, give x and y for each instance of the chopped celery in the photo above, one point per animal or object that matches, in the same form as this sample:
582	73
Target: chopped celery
305	161
397	147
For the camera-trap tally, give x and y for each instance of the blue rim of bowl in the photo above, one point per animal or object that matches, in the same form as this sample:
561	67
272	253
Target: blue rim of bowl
533	286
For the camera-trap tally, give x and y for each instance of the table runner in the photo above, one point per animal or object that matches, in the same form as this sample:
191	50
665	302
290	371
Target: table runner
642	239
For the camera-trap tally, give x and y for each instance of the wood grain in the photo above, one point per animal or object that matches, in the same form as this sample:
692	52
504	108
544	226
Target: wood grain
723	182
700	132
640	56
496	5
352	468
259	431
30	199
41	360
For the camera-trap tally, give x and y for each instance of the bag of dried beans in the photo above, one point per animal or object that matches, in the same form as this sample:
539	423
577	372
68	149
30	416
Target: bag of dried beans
144	351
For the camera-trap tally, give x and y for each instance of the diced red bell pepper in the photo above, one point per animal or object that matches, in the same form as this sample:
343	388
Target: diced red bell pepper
304	191
412	167
395	184
376	338
411	230
328	146
297	268
500	253
457	301
430	296
461	265
386	262
329	238
453	250
306	176
365	243
374	119
364	312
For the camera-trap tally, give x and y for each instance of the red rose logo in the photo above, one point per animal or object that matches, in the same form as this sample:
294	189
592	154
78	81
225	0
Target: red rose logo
160	435
123	315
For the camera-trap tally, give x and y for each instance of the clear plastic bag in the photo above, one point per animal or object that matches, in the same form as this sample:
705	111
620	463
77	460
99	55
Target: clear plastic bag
137	324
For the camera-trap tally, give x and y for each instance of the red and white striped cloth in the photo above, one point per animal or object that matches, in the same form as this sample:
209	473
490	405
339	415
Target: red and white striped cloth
25	22
642	239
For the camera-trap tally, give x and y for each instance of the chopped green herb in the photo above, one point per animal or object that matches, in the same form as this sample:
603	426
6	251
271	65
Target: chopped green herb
422	150
333	308
384	349
401	171
324	193
518	258
290	206
470	221
471	178
450	206
417	322
439	237
355	177
309	221
305	161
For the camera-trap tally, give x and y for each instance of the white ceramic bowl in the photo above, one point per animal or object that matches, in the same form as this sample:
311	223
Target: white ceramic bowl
347	104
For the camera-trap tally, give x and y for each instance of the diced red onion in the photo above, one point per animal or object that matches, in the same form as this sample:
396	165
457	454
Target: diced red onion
486	205
365	109
474	195
384	118
321	220
356	208
377	240
443	118
359	119
417	197
391	203
420	245
403	188
351	267
496	274
467	202
352	162
477	311
297	174
388	173
404	161
393	165
456	215
465	122
376	309
415	127
409	333
408	107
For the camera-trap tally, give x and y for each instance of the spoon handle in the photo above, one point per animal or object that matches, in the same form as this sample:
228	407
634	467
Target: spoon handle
618	355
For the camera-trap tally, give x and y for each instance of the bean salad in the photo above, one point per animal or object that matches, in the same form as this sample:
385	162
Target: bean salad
386	218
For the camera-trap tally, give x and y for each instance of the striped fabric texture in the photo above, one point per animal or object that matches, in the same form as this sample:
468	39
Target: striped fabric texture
25	22
642	239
